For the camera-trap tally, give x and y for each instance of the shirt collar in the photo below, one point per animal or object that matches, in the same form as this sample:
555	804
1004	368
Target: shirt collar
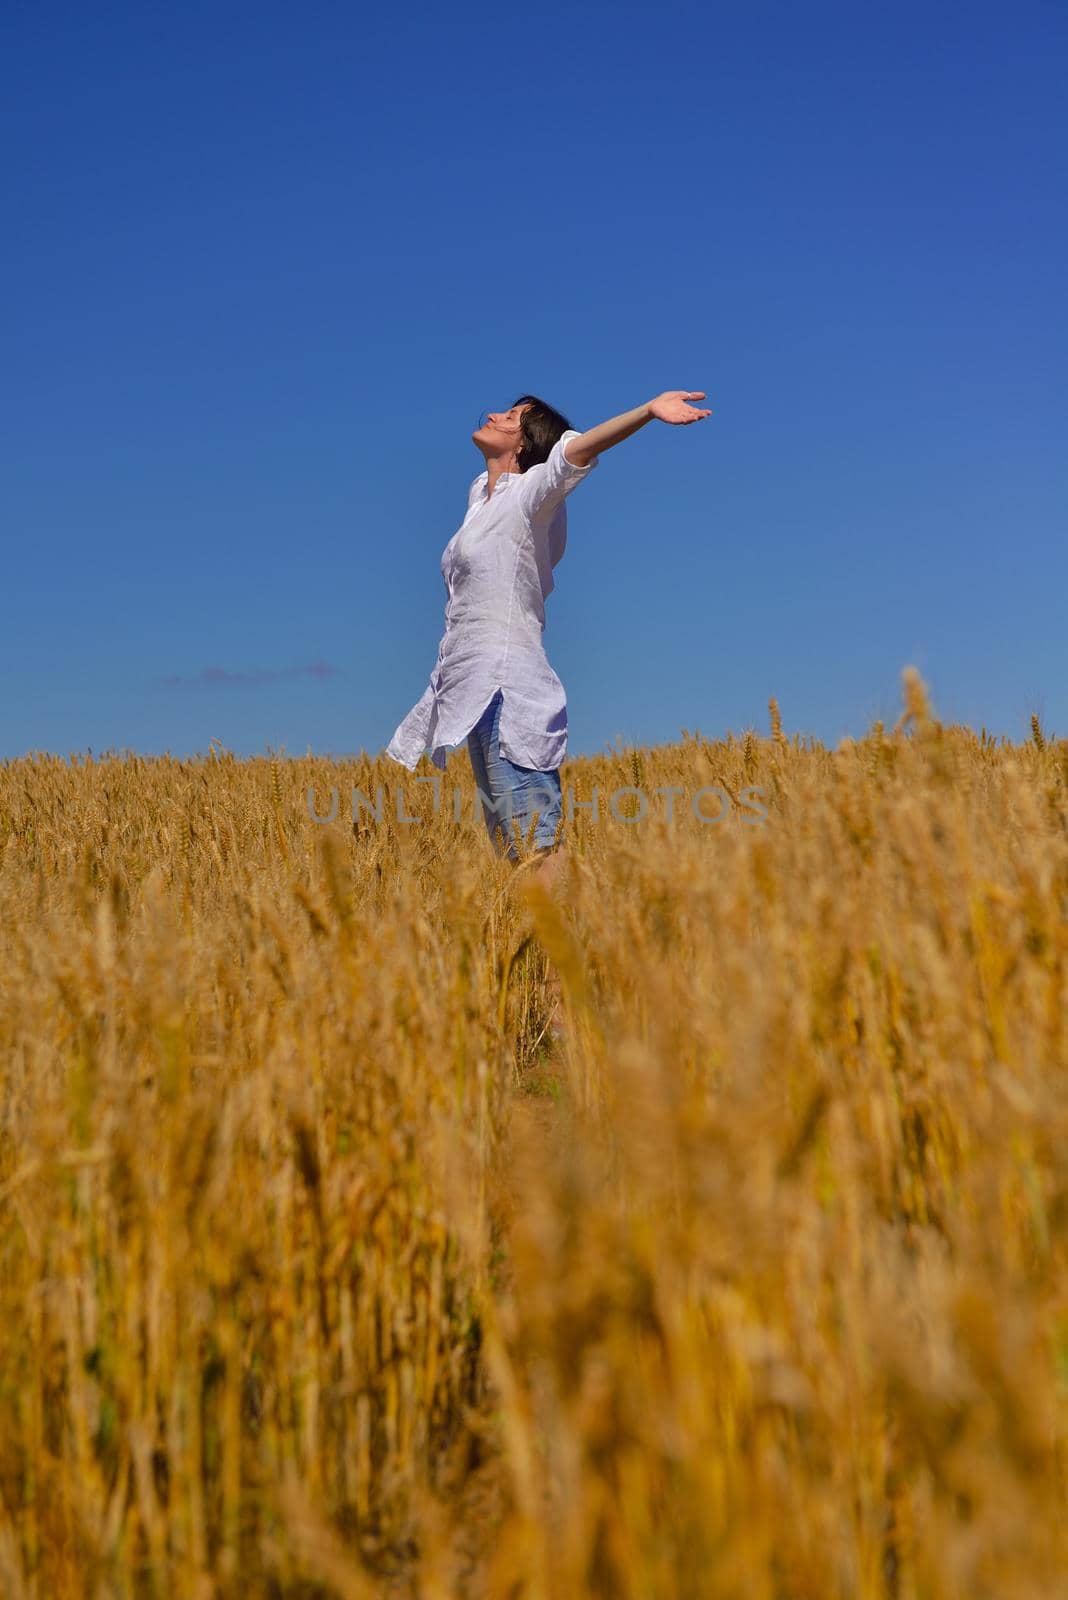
484	477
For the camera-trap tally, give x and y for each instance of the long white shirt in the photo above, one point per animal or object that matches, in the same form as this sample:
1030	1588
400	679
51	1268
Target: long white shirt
498	573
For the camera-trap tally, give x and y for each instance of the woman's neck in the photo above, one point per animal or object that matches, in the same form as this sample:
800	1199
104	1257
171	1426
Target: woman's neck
496	470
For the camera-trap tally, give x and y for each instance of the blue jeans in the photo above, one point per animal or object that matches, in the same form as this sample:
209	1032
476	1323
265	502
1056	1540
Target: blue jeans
510	794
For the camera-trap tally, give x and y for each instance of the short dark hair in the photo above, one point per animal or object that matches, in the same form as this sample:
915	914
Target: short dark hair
542	426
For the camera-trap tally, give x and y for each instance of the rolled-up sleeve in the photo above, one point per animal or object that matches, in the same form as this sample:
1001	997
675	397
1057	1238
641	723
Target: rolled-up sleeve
543	488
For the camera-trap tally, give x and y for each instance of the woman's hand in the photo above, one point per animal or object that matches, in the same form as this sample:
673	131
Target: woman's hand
671	406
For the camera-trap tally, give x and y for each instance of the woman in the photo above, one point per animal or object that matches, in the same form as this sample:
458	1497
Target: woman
493	685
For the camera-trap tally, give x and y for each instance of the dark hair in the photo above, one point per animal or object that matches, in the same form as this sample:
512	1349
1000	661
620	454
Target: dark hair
542	426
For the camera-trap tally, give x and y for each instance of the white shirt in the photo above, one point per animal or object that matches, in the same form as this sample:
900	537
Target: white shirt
498	573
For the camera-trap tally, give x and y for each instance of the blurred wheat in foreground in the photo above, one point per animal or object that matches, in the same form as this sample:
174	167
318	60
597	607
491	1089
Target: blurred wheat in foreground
322	1278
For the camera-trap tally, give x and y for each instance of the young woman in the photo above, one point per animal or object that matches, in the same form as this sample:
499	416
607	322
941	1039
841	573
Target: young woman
493	685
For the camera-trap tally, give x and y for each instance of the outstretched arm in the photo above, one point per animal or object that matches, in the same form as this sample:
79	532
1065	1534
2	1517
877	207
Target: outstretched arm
670	406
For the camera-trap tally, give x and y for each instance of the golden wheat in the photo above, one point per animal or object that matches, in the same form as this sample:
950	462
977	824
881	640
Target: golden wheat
319	1278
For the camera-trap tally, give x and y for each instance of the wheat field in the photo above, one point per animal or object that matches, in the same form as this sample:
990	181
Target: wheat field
325	1275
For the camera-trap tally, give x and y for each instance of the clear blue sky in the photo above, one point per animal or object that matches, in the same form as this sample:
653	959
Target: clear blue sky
265	265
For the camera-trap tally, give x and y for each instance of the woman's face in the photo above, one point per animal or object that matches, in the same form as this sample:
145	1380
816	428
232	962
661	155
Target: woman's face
501	433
